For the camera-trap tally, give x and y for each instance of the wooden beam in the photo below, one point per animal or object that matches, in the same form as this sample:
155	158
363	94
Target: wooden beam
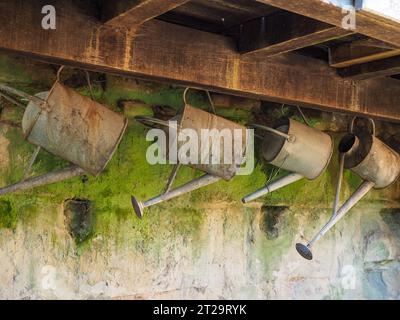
376	69
367	23
357	52
283	32
133	13
179	55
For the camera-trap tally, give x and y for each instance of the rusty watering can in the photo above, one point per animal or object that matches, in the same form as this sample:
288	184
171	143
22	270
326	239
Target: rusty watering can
71	126
372	160
295	147
197	120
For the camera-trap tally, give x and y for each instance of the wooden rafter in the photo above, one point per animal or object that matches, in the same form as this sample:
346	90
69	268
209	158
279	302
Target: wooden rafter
357	52
133	13
368	23
375	69
180	55
283	32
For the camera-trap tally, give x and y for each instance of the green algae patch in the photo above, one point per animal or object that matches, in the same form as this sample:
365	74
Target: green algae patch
8	217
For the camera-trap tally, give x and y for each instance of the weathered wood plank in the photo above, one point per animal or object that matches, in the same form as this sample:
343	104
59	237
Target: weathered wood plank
183	56
284	32
133	13
375	69
367	23
358	52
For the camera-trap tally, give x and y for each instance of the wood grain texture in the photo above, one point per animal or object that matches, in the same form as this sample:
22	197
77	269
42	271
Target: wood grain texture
358	52
133	13
284	32
165	52
375	69
369	24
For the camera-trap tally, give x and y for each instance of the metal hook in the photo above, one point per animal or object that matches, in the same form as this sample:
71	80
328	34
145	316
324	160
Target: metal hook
288	137
89	84
369	119
184	95
59	73
212	107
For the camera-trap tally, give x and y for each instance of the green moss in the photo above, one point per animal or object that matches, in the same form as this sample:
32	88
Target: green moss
8	218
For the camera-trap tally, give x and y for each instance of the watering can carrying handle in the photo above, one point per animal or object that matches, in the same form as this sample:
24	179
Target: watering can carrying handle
288	137
151	122
373	126
212	107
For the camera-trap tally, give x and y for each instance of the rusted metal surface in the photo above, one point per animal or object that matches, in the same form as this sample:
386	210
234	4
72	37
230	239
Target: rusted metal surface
74	128
308	152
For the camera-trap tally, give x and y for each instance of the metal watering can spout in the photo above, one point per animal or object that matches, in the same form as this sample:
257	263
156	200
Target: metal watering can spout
198	183
273	186
294	147
372	160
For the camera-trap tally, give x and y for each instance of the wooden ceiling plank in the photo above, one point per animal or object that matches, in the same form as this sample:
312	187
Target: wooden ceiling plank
133	13
368	23
376	69
357	52
178	55
284	32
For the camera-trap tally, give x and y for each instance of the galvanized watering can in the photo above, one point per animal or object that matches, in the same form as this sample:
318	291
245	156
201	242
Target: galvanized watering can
372	160
197	120
295	147
71	126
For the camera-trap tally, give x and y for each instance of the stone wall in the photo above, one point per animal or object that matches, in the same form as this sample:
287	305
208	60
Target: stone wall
80	238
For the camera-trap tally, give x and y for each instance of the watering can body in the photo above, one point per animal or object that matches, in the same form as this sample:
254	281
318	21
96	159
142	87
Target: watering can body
74	128
371	159
295	147
307	153
199	120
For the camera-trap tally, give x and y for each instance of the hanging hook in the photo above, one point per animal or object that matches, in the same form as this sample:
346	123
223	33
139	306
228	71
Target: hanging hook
89	84
352	123
303	116
184	95
211	102
59	73
212	107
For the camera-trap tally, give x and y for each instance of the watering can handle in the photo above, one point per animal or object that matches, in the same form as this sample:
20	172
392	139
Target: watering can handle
352	123
288	137
22	94
150	121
